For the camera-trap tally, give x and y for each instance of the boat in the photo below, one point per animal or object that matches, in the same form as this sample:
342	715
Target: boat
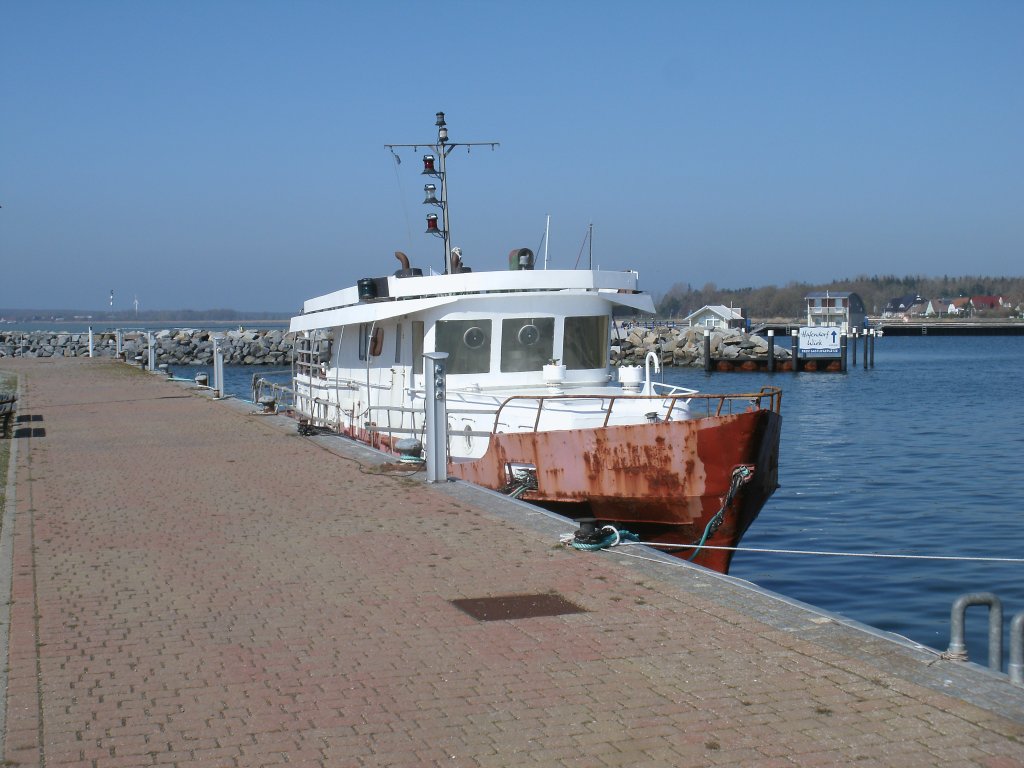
519	358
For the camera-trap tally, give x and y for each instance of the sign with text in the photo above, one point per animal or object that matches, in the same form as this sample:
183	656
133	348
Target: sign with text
821	341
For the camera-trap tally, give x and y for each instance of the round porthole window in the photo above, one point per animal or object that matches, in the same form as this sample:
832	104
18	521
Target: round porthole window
474	338
529	335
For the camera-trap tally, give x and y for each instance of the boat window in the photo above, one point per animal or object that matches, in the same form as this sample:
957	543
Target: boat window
527	343
376	342
585	343
364	340
467	342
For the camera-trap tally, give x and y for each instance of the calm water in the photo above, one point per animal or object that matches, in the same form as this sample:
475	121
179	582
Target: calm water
920	455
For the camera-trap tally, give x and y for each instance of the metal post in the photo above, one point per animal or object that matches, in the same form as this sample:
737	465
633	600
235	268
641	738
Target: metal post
796	351
707	350
957	650
119	337
152	351
872	350
90	341
1016	667
771	351
854	360
218	367
436	417
843	346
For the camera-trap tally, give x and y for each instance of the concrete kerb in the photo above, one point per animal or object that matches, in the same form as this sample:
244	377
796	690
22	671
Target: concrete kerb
892	655
6	573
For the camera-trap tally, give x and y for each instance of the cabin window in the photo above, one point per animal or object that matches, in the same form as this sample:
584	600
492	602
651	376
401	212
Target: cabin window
467	342
371	341
527	343
364	340
585	343
417	346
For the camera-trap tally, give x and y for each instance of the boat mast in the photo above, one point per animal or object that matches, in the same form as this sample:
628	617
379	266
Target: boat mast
442	148
547	231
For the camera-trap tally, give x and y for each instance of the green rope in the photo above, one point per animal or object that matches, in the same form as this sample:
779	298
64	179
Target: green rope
614	537
740	475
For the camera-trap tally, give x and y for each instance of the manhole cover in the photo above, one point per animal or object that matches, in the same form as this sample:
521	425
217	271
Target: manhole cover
516	606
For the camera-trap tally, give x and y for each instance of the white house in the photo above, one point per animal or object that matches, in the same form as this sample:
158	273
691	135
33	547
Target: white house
840	308
715	316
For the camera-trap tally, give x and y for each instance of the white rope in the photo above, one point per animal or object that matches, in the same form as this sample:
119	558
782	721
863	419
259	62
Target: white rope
835	554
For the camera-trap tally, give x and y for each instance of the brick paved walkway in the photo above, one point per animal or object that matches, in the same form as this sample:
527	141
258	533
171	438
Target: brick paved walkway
193	585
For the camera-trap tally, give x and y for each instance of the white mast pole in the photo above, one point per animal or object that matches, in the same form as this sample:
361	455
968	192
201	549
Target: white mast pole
547	233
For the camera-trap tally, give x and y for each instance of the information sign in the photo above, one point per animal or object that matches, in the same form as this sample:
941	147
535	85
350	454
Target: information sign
820	341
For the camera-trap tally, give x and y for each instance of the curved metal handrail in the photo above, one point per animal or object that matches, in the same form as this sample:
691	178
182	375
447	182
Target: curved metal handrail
772	394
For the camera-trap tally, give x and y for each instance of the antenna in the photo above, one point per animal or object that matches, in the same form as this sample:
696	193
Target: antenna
442	148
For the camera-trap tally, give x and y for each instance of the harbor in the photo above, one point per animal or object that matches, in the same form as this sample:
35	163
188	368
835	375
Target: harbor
238	619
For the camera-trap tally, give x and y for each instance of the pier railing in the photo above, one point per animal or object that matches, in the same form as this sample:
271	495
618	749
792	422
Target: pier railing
957	650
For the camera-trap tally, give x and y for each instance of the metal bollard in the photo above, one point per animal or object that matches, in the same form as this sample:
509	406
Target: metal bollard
1016	667
957	650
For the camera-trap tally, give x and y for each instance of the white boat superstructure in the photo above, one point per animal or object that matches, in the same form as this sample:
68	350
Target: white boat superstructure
537	336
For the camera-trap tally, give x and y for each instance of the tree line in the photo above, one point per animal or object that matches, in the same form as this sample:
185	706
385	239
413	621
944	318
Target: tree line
787	301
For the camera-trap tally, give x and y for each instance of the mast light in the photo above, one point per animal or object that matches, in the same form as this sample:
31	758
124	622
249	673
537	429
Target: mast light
442	128
431	195
428	165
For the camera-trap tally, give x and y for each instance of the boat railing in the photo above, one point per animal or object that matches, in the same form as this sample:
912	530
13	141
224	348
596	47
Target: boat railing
282	394
767	398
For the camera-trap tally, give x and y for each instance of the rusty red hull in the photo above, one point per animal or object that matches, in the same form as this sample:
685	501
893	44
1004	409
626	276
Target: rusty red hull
665	480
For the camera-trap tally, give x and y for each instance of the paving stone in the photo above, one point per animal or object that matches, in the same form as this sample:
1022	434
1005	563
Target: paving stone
196	585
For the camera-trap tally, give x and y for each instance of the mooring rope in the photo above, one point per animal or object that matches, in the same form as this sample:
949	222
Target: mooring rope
878	555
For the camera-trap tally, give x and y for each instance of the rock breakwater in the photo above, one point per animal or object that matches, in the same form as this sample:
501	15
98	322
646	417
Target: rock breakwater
685	346
191	346
182	346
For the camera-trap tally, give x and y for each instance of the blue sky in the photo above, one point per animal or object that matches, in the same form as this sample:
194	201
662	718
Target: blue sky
231	154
